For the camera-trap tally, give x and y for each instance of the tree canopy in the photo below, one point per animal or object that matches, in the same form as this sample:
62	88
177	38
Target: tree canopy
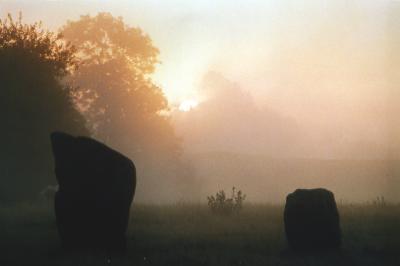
33	103
122	104
114	89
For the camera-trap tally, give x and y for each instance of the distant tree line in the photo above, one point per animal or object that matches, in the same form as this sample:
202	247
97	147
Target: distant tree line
92	78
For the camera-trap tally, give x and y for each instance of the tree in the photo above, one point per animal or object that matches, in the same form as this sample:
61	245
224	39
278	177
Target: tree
33	103
122	104
114	87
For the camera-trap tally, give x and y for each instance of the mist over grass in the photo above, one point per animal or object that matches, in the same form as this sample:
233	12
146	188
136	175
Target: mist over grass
268	180
189	234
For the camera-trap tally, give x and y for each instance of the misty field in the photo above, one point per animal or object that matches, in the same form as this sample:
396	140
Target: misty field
186	234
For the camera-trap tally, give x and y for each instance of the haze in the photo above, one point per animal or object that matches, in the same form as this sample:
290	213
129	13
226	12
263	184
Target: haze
288	93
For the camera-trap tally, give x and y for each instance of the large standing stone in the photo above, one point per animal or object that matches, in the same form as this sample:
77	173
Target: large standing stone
96	189
312	220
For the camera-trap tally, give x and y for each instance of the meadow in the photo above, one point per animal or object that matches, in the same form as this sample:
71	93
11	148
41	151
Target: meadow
189	234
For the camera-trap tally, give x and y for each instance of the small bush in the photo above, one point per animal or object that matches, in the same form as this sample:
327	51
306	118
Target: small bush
221	204
379	202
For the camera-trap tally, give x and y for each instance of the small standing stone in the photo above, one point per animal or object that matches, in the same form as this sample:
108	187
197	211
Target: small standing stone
312	220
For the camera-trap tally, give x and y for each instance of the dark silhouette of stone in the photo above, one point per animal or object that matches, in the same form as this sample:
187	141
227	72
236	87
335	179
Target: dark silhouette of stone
96	189
312	220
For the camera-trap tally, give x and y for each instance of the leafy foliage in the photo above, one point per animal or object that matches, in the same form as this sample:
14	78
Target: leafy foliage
32	41
33	102
221	204
122	104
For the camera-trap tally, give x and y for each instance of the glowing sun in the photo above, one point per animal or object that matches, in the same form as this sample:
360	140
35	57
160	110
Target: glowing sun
187	105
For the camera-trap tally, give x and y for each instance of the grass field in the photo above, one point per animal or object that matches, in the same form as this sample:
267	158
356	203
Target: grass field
191	235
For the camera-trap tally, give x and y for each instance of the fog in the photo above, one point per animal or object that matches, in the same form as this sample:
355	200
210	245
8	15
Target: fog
317	107
289	94
233	142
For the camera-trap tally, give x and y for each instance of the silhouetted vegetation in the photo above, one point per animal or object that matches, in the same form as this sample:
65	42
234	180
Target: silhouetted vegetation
94	80
379	201
33	103
284	96
221	204
123	106
114	88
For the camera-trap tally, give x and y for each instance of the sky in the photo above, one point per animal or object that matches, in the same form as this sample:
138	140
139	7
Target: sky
242	38
326	69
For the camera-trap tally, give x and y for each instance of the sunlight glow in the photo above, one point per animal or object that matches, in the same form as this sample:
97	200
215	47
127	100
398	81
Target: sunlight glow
187	105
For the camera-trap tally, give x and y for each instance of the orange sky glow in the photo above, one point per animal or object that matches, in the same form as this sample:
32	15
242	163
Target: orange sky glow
330	66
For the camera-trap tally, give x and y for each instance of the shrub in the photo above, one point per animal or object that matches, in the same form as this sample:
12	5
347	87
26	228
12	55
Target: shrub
379	202
221	204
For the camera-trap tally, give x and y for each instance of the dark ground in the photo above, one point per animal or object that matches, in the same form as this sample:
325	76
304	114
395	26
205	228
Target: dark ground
191	235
